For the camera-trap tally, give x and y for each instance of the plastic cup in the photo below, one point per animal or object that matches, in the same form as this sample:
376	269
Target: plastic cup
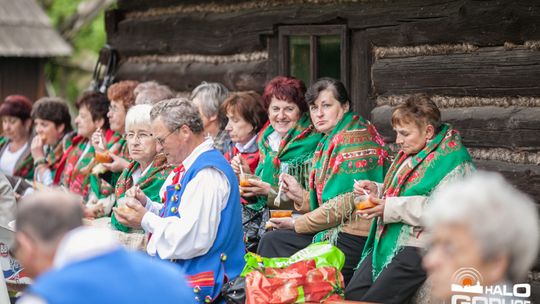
363	202
103	157
280	213
244	179
121	204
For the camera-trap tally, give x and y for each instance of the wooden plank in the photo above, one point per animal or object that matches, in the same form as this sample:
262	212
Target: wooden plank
524	177
483	23
486	72
388	23
361	58
237	76
481	127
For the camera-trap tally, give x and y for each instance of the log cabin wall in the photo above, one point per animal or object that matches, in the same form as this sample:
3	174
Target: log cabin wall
480	60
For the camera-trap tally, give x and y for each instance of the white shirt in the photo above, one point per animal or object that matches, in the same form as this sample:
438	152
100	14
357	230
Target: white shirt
193	233
9	159
274	140
77	245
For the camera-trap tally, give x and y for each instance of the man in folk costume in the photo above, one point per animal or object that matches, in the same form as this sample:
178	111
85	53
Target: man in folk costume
199	226
432	155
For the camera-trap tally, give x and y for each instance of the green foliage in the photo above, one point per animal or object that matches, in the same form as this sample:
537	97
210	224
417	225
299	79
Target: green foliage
71	76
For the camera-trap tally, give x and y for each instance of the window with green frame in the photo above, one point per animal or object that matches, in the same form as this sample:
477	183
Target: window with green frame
312	52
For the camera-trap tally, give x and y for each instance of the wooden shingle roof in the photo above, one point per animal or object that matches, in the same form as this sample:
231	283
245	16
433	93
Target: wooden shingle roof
26	31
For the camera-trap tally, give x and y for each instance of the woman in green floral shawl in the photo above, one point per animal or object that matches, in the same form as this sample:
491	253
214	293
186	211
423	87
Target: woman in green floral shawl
79	158
431	156
122	98
350	149
52	123
148	170
289	139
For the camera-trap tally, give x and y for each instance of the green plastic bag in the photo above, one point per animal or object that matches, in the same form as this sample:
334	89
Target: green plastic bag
322	253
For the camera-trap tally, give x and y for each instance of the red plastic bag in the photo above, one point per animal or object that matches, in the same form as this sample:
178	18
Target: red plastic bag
298	283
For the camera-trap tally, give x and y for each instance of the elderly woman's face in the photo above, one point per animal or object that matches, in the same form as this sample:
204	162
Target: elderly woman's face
238	128
412	138
49	132
452	247
117	116
15	128
85	125
141	144
326	111
283	115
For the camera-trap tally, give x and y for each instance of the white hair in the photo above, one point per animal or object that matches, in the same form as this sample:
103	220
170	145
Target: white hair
211	96
503	220
138	115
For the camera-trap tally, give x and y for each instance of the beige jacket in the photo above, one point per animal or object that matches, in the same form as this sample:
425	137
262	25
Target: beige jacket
338	211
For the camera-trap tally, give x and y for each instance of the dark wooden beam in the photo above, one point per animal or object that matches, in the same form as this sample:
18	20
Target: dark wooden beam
486	72
387	23
481	127
524	177
238	76
361	58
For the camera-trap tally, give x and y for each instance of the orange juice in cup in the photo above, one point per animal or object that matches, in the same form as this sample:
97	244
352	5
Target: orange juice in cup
244	179
104	157
363	202
280	213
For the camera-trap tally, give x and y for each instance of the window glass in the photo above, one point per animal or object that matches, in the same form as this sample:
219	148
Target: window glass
299	59
329	56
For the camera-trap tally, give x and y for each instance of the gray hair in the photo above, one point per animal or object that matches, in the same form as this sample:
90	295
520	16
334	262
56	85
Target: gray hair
212	95
177	112
48	215
151	92
138	115
485	202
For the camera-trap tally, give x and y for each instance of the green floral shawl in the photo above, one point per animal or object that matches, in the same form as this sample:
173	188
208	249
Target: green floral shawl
150	183
353	150
296	149
428	167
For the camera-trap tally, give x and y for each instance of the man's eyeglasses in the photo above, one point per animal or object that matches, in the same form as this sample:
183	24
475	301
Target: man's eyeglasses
161	141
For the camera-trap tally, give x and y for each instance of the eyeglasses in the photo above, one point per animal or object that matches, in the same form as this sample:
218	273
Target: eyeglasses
138	136
161	141
114	108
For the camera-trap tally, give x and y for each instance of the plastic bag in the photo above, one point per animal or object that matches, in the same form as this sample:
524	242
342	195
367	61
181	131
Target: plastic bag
323	253
298	283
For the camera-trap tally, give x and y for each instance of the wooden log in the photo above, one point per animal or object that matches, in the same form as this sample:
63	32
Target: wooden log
487	72
387	23
237	76
483	127
524	177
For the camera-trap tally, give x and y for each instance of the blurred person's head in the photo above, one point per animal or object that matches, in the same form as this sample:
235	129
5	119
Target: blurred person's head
415	121
15	112
122	97
42	220
483	223
177	128
328	101
151	92
208	97
93	108
51	119
246	115
284	100
141	144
